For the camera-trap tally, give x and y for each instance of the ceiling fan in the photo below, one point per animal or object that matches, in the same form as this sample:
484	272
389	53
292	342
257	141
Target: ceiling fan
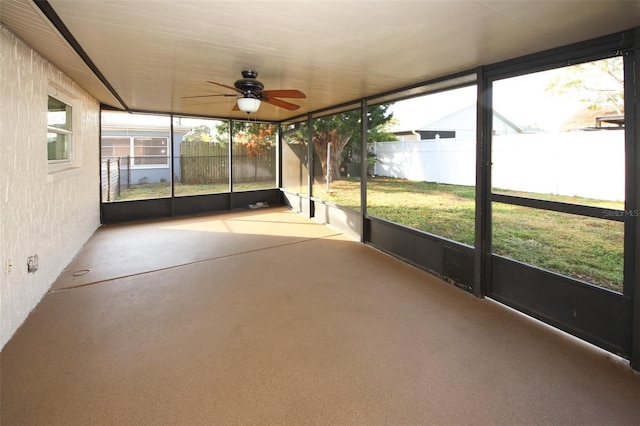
250	94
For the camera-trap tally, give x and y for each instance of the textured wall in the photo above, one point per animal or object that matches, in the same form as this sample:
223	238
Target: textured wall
48	215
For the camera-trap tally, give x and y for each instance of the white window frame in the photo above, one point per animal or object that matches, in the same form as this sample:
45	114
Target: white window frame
132	150
69	163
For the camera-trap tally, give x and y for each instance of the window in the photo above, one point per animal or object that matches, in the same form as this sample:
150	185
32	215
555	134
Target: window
337	142
422	172
565	149
254	155
135	150
150	150
141	150
202	167
59	131
116	146
295	157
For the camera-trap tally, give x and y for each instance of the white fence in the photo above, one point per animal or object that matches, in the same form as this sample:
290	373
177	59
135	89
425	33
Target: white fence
584	164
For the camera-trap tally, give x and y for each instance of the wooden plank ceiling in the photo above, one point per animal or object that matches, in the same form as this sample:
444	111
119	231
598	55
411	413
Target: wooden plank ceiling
154	53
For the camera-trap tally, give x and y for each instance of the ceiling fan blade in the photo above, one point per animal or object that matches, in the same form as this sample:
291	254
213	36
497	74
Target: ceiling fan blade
235	107
224	85
281	103
206	96
285	93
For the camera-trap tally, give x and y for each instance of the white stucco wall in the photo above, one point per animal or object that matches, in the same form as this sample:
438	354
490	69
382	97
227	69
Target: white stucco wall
51	215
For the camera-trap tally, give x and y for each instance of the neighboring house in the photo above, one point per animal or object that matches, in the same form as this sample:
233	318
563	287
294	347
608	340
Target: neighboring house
142	145
608	118
460	124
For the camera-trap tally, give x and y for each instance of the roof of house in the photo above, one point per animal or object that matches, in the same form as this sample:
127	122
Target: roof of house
588	118
469	110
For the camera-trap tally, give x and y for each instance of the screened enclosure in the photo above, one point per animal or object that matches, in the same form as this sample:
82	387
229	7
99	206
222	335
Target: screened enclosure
515	181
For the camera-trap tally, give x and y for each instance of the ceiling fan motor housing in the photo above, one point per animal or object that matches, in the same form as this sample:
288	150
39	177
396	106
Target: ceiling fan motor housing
249	89
248	85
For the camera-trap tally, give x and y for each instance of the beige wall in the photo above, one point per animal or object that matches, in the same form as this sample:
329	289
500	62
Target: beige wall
48	214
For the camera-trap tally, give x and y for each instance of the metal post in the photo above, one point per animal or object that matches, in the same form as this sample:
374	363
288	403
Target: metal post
118	181
364	166
328	165
230	160
631	286
128	171
108	179
171	160
482	264
279	150
310	163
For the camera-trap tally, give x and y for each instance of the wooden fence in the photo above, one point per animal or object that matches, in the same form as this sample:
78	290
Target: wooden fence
202	163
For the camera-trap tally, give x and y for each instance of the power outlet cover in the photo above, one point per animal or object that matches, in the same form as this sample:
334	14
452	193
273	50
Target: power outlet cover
32	264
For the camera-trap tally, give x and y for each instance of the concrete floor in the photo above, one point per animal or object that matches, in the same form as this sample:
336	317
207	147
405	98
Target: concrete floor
264	317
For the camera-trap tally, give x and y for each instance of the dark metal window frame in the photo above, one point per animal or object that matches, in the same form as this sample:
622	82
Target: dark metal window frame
411	245
620	44
627	45
170	206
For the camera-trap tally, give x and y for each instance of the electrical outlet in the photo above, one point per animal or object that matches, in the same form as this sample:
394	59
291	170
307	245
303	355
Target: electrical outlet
8	266
32	264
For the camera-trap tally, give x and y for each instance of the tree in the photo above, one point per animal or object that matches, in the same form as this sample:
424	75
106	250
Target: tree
342	133
200	133
598	83
256	138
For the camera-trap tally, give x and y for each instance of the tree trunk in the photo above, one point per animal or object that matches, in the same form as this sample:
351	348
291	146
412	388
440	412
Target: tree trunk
320	143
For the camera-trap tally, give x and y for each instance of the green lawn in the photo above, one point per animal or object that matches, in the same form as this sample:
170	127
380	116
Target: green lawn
160	190
585	248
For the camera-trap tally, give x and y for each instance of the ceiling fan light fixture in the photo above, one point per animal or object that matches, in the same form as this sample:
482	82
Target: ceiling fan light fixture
248	104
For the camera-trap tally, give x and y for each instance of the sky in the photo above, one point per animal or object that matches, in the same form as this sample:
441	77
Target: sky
417	112
522	100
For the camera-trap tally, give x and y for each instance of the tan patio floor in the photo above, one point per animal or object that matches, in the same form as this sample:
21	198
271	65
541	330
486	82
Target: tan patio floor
264	317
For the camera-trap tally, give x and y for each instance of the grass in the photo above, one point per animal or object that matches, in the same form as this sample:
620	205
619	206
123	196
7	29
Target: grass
585	248
161	190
